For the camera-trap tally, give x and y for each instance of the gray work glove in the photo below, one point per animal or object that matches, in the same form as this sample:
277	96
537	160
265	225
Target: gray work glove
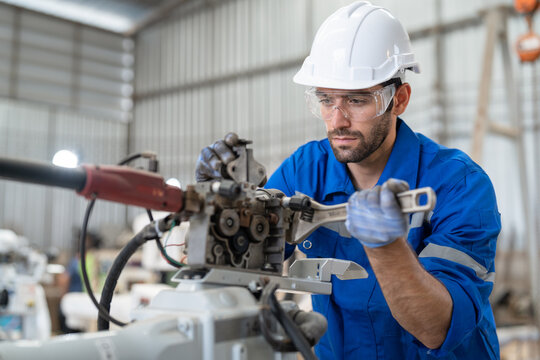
215	157
374	216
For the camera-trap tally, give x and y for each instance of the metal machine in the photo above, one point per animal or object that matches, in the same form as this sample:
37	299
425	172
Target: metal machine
23	308
224	305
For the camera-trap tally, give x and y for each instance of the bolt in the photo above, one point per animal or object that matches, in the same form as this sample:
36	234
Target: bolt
241	240
231	139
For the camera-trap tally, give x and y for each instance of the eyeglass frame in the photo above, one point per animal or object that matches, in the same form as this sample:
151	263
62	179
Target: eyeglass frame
393	83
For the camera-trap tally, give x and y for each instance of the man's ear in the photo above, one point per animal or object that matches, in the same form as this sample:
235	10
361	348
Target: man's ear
401	99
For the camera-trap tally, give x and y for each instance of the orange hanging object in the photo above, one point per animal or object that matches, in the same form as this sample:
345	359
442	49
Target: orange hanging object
525	6
528	47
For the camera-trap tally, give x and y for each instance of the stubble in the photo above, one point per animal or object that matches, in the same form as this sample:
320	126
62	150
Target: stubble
367	144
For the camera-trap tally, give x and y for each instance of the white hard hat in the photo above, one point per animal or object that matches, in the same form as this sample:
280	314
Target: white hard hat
357	47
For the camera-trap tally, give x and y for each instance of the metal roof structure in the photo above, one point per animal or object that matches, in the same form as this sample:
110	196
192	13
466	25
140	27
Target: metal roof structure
124	17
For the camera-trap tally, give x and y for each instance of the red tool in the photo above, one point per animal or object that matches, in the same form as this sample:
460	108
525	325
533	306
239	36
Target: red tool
120	184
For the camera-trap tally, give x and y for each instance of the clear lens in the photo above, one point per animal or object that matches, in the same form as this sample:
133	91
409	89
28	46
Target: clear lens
355	105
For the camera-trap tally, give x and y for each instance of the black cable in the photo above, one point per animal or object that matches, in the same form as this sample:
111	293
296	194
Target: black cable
169	259
268	325
150	216
149	232
42	173
102	312
277	341
130	158
291	329
266	191
160	247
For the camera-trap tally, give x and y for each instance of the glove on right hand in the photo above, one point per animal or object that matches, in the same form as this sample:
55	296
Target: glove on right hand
374	216
214	157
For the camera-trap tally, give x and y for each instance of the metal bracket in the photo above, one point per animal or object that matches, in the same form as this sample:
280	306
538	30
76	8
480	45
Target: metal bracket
253	281
245	168
323	269
306	275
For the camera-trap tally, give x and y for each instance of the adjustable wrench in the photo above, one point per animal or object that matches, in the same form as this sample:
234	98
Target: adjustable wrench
316	214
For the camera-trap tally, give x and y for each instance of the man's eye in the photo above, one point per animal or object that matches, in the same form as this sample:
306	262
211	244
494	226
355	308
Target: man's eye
358	100
325	101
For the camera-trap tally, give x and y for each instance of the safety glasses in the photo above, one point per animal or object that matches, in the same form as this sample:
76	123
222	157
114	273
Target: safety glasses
355	105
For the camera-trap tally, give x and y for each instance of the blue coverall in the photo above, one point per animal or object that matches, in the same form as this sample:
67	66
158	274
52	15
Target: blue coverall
455	243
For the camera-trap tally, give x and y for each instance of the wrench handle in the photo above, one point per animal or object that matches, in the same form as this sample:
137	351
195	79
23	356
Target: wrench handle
417	200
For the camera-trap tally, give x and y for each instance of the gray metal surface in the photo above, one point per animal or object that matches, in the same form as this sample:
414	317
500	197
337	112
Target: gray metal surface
255	280
210	327
322	269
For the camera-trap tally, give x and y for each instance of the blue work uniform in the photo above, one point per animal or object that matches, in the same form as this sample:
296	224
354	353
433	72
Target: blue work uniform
455	243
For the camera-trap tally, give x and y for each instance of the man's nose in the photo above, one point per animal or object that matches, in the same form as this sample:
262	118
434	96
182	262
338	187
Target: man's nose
340	117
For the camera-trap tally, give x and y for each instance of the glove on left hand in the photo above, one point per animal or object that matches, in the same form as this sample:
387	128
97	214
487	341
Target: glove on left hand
374	216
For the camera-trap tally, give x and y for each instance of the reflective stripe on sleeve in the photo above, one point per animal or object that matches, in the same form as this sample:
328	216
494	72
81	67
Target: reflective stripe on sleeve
451	254
418	219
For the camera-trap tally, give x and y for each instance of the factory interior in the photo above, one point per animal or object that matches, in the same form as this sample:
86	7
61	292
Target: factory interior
105	107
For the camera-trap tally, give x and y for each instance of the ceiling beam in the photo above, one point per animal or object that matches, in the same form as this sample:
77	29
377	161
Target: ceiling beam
154	16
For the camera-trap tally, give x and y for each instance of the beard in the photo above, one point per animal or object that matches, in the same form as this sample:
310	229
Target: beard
367	144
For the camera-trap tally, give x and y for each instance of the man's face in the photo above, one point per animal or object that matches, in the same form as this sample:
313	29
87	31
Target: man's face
352	144
353	137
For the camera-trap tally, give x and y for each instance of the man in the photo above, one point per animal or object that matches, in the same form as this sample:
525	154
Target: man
72	279
430	275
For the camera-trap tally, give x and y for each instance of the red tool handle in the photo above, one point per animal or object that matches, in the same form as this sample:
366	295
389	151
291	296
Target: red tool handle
131	187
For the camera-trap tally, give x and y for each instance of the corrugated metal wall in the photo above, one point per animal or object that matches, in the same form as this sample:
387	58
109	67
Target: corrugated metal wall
222	66
62	86
48	217
43	59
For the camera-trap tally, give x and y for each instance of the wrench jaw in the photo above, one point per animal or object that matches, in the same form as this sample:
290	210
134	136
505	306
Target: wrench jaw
322	215
412	201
